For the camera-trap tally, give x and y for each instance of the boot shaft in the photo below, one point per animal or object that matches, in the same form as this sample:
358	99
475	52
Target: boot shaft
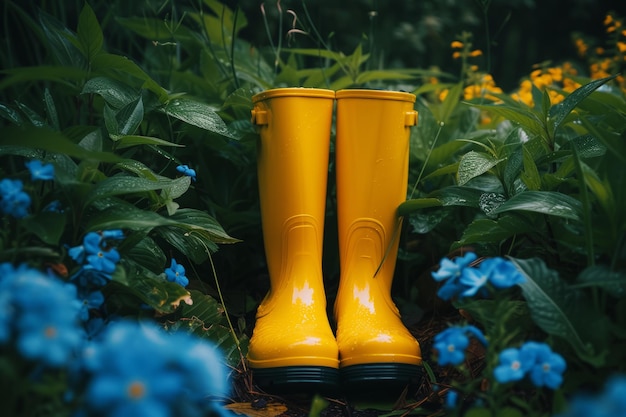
372	159
294	139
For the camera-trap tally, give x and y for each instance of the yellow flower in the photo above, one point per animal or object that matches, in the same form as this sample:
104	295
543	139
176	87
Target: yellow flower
599	50
570	85
456	54
608	20
581	47
555	98
556	73
443	94
476	52
456	45
621	46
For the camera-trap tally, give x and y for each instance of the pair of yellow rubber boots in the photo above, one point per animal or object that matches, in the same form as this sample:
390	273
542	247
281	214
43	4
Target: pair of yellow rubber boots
293	346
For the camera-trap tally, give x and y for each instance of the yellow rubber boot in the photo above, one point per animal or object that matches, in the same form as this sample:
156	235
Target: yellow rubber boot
372	154
292	345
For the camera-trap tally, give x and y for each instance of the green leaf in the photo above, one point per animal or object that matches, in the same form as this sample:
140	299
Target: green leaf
47	226
587	146
559	112
473	164
458	196
126	216
10	114
416	204
171	192
381	75
51	110
148	254
488	230
124	184
89	33
547	202
164	296
51	141
527	120
200	221
198	114
196	247
123	67
134	140
155	29
40	73
62	42
612	140
113	92
530	176
128	119
33	117
563	311
138	168
450	103
601	276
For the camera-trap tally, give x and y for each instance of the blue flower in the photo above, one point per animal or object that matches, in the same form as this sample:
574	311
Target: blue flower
39	171
43	313
452	342
137	369
615	394
548	367
185	170
99	257
452	269
609	403
176	273
14	201
90	246
474	279
92	300
452	398
502	273
462	280
537	360
131	373
450	272
512	366
104	261
115	234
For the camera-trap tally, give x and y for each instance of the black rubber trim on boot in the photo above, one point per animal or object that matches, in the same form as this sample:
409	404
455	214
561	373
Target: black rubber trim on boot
379	378
297	379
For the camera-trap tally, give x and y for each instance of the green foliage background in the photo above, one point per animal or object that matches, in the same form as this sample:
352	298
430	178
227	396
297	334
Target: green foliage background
118	94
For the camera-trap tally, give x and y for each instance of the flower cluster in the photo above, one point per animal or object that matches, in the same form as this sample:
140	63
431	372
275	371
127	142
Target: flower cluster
13	200
611	402
39	314
544	367
136	369
16	202
452	343
98	260
128	369
462	280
